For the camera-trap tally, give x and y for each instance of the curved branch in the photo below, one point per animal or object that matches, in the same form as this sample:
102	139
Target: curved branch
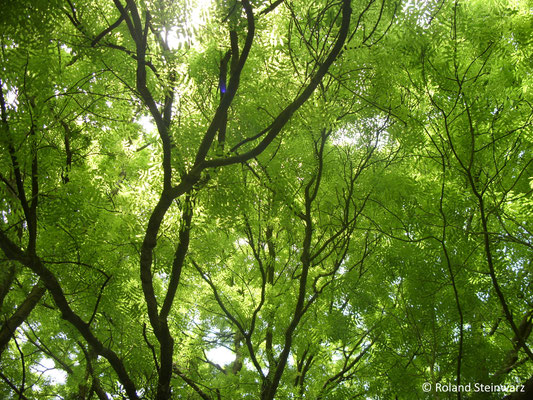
109	29
279	123
51	283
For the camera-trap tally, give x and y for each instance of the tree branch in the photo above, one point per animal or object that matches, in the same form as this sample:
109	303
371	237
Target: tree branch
281	120
52	285
23	311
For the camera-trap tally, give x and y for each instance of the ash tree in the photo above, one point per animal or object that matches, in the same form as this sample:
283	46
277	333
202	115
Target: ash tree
264	199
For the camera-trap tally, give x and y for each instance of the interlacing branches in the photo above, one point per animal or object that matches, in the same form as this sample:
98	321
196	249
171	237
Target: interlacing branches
336	197
139	26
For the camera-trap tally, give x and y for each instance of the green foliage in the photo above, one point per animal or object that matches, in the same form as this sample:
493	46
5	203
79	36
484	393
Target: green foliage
347	233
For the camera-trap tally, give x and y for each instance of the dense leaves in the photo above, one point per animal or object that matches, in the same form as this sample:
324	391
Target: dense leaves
265	199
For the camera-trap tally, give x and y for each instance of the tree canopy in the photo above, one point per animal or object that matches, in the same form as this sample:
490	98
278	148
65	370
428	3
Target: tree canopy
262	199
